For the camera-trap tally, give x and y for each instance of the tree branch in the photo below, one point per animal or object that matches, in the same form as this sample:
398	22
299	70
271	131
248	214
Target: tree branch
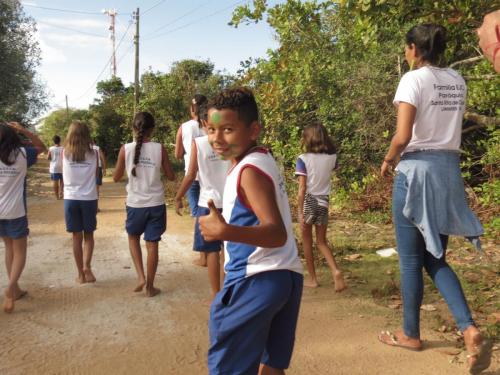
466	61
481	121
485	77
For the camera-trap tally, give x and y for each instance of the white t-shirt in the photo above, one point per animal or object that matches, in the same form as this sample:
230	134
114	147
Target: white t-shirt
318	170
212	173
80	177
55	165
244	260
12	180
190	130
98	149
439	94
146	189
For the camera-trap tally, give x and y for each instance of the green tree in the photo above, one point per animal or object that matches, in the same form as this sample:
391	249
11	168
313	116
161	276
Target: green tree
23	97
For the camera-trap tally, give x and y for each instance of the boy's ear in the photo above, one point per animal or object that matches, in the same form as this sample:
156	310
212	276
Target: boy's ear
255	129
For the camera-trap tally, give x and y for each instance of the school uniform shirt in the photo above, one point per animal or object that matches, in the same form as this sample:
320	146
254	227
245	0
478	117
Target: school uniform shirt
439	95
55	165
146	188
318	170
98	149
79	177
190	130
244	260
13	184
212	172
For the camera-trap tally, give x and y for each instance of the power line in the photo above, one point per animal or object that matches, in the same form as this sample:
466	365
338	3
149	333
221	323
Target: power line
178	18
65	10
105	66
195	21
154	6
70	29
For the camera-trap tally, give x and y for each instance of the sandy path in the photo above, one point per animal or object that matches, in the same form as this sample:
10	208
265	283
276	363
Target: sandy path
105	328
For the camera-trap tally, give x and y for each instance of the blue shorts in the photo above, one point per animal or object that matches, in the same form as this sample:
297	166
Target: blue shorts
56	176
14	228
192	195
152	221
253	321
80	215
98	179
199	243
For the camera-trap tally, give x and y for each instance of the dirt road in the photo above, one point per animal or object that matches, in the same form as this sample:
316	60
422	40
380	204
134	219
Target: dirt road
105	328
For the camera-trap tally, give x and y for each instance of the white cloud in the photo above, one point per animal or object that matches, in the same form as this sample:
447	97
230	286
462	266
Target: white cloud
76	40
28	2
51	54
84	24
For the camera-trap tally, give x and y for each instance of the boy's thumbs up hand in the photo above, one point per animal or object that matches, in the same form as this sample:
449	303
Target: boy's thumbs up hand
212	225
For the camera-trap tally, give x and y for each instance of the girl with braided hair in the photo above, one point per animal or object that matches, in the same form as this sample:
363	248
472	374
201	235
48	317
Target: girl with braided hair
146	212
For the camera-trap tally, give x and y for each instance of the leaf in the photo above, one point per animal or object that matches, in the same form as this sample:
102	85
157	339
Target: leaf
428	307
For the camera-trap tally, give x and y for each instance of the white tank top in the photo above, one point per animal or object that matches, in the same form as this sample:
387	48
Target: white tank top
190	130
55	159
79	178
146	189
212	172
12	187
243	260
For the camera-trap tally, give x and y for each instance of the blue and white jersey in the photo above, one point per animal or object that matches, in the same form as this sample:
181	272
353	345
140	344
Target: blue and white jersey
243	260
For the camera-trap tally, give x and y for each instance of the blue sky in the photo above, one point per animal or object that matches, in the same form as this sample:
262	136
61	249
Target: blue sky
76	46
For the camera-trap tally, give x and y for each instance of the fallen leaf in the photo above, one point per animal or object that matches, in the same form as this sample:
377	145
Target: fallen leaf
126	267
449	351
394	306
428	307
443	328
494	318
353	257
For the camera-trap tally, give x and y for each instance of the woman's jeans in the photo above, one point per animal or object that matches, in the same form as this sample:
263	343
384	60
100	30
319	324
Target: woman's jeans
412	257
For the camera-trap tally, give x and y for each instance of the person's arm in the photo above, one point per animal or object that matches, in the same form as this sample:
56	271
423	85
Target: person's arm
257	192
102	156
188	178
34	139
300	199
120	165
166	166
49	155
404	128
179	148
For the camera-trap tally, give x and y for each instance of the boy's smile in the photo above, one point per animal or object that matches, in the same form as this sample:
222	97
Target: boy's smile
228	135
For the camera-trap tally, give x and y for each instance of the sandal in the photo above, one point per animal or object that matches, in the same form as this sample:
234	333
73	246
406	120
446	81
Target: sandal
483	357
388	338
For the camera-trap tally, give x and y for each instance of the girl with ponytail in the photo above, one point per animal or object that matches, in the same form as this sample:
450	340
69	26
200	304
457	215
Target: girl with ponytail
429	201
144	161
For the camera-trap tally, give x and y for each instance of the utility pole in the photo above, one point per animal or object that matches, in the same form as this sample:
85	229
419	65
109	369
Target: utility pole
112	15
67	109
136	75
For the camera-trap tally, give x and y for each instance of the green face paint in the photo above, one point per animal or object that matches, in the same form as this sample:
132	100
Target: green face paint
216	118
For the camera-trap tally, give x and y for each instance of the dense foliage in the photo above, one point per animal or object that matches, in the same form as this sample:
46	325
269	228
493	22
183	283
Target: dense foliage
22	96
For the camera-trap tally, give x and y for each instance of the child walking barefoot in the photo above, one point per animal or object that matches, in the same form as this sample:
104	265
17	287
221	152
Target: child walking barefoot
314	169
55	167
146	212
211	171
14	162
80	196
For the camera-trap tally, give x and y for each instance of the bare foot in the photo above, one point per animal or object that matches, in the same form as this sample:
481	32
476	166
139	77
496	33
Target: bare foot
199	263
339	282
20	293
478	350
80	279
399	339
310	283
89	276
151	292
140	286
8	302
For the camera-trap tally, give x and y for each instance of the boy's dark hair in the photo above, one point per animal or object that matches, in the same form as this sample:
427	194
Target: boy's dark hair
196	103
316	140
10	144
239	99
430	41
143	123
56	139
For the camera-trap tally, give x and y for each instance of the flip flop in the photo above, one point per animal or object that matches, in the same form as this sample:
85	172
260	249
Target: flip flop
483	357
393	341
